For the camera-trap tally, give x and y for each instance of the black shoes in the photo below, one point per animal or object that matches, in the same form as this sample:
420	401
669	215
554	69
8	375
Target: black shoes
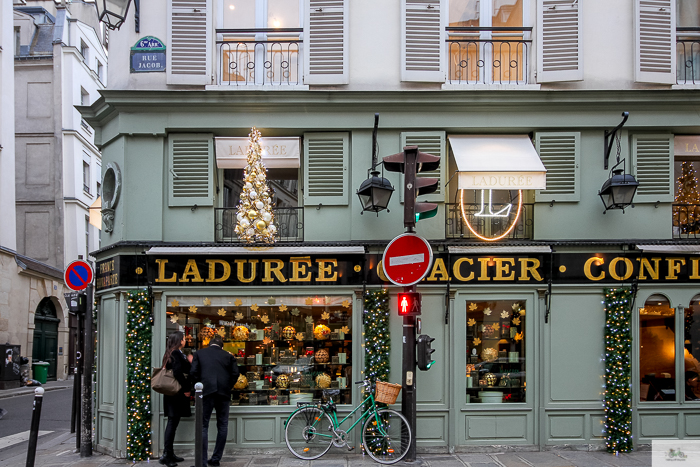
169	460
175	458
213	463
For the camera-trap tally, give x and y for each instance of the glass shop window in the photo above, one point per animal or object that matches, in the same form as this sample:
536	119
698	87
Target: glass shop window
289	349
495	351
691	349
657	351
686	201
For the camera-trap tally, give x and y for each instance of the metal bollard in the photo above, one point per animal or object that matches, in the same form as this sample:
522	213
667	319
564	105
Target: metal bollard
34	431
198	412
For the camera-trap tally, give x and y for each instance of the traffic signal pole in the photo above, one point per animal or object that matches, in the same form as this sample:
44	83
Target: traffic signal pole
408	400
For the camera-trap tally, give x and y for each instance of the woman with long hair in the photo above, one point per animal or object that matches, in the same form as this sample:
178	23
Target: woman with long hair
176	406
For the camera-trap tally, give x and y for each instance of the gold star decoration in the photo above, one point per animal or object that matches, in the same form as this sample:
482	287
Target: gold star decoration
283	307
221	331
239	316
267	341
254	307
487	311
175	303
477	341
325	315
516	321
472	306
207	302
300	336
295	311
471	322
222	312
346	304
518	337
193	309
309	319
265	319
505	314
345	329
238	302
173	319
309	301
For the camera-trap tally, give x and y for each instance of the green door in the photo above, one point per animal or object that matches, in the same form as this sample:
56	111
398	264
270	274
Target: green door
46	336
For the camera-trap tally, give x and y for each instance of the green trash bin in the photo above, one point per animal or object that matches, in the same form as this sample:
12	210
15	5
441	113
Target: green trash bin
41	371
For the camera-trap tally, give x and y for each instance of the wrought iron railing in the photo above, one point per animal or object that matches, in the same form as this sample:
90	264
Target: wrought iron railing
686	221
259	56
289	223
490	227
688	56
502	58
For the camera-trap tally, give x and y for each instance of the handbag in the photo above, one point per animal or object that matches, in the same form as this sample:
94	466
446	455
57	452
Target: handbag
163	381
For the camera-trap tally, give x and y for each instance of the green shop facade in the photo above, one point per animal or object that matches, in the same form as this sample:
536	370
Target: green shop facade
519	322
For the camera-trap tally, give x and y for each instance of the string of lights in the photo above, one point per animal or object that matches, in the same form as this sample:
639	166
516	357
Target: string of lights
377	338
138	376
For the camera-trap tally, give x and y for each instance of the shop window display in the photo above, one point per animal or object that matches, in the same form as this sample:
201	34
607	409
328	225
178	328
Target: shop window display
657	352
495	351
289	349
691	349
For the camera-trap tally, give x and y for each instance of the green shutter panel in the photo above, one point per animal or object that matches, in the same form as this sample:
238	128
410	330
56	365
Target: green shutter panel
326	157
560	153
432	142
652	157
191	170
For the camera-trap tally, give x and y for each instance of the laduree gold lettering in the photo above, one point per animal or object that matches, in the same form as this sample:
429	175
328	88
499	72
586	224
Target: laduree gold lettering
503	266
674	267
456	269
161	272
191	270
299	269
694	262
529	272
484	276
324	271
653	271
587	268
276	270
212	270
629	269
240	263
439	269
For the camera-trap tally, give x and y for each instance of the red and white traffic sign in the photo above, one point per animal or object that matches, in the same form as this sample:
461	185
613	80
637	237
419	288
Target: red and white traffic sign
407	259
78	275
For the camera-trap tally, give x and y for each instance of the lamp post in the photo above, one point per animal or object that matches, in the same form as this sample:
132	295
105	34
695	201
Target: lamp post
375	192
112	12
618	191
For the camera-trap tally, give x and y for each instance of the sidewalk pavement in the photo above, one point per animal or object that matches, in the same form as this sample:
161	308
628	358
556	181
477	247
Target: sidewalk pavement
25	391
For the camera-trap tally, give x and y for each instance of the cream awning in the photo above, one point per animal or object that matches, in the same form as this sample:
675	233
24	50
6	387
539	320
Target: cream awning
497	162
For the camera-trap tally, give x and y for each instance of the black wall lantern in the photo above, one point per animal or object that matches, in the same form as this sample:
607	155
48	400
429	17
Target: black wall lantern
112	12
619	190
375	192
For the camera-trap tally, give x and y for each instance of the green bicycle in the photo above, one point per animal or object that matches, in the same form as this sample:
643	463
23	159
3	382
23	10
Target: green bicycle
311	430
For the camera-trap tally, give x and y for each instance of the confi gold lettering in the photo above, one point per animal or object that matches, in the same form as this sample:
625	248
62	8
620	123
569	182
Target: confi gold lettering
484	276
629	269
324	271
529	272
456	269
277	270
212	270
694	262
239	270
674	267
191	270
161	272
299	269
587	268
503	266
653	271
439	269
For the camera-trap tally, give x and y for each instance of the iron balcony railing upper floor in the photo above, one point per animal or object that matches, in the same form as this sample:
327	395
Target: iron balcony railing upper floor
688	55
288	220
686	221
490	227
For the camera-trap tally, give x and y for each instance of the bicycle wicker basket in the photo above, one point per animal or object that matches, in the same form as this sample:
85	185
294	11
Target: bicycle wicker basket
387	393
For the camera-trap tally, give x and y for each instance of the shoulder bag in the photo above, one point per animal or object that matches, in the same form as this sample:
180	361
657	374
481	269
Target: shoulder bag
163	381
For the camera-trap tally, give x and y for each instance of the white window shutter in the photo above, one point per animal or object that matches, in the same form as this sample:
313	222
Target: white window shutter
326	160
655	41
190	36
432	142
191	170
559	49
326	42
560	152
423	40
652	158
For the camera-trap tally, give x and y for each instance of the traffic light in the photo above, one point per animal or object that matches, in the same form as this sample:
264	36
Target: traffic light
425	351
410	162
409	304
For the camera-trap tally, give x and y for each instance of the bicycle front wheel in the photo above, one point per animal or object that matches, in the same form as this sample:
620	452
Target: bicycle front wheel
309	433
387	436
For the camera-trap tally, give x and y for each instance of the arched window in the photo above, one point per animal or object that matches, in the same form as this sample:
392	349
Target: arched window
657	353
46	309
691	349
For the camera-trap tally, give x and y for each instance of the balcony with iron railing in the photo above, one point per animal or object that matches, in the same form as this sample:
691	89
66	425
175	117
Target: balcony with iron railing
288	220
262	57
686	221
688	56
490	227
497	55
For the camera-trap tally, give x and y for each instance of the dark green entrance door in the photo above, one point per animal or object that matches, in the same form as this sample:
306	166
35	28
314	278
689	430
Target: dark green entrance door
46	336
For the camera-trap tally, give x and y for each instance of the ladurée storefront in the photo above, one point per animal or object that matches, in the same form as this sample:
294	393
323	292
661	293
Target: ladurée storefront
520	336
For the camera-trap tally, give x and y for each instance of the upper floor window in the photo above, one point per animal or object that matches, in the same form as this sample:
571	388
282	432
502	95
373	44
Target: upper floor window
100	71
17	42
84	97
84	50
86	177
686	201
688	41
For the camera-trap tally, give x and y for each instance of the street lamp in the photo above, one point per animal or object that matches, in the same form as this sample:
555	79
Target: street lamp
112	12
618	191
375	192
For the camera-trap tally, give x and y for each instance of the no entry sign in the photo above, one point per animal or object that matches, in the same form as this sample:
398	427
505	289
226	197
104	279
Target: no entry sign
78	275
407	259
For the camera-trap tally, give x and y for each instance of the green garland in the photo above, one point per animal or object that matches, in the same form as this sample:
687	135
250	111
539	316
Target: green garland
138	375
377	337
618	348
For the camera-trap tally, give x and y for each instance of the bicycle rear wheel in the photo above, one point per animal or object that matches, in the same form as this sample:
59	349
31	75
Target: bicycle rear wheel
388	440
309	433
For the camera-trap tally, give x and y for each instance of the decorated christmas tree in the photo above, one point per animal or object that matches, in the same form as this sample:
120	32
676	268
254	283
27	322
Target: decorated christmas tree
687	217
254	217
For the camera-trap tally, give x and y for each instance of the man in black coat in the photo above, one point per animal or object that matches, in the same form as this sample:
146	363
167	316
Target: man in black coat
217	370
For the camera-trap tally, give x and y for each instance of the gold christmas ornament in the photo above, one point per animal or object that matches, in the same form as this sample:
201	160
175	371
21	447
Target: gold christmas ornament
282	381
240	333
289	332
323	381
252	214
322	332
260	225
242	382
321	356
490	379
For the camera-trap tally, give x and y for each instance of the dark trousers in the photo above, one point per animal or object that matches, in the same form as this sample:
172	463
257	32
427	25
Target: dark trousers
170	428
221	405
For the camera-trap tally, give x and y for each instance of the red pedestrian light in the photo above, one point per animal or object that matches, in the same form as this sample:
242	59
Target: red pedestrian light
409	304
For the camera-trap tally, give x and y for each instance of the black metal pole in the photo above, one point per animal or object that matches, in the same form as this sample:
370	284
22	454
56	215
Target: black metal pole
76	391
34	430
408	400
198	415
88	360
78	380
